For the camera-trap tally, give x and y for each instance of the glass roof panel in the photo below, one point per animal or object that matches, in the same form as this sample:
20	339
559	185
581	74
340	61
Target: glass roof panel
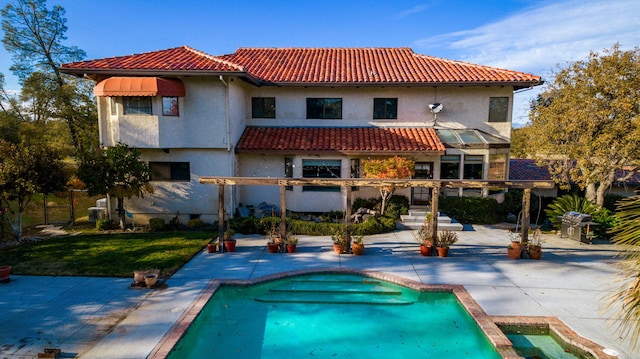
469	136
448	136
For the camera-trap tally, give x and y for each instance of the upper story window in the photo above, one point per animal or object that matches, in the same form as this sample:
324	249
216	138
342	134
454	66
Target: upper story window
263	107
170	171
498	109
385	108
136	105
324	108
170	106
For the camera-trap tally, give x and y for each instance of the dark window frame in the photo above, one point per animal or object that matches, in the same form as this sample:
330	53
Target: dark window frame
324	108
261	108
172	110
449	167
473	167
312	168
170	171
133	105
385	108
498	109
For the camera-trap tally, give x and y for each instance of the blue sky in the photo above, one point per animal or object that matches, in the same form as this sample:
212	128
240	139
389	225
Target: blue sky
530	36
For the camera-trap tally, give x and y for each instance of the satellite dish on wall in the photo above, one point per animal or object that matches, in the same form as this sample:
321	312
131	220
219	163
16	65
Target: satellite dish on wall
435	107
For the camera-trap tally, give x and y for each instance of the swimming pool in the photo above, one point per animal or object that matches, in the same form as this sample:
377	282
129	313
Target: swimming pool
332	315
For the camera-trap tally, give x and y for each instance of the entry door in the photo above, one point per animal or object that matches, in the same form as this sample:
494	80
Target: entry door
422	195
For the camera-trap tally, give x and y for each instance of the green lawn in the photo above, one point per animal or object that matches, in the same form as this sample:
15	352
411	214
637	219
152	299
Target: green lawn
110	255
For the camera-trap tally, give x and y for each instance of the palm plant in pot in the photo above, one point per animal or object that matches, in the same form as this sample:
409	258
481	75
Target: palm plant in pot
291	242
444	240
424	236
357	245
229	241
340	240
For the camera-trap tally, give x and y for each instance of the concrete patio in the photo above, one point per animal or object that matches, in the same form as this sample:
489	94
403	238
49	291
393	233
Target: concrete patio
105	318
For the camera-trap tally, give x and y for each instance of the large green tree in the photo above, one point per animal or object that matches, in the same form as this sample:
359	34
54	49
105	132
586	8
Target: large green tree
585	125
116	171
34	36
26	170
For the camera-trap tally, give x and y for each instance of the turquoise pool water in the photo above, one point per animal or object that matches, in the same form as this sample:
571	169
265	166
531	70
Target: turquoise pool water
332	316
539	347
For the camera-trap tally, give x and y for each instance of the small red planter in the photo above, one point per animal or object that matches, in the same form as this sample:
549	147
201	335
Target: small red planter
5	272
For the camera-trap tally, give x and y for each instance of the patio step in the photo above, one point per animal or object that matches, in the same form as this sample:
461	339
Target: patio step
415	219
336	292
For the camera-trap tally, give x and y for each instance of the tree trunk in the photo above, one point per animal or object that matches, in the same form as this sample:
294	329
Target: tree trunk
590	192
604	186
121	214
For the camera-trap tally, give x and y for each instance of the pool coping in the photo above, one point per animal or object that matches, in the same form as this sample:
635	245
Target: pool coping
489	325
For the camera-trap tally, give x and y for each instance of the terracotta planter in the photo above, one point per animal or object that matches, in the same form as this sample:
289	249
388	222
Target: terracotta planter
535	252
150	280
273	247
291	248
357	249
338	248
230	245
211	248
514	253
443	251
426	251
5	272
138	276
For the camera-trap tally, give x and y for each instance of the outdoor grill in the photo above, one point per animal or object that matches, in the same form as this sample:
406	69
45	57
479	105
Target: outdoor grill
573	224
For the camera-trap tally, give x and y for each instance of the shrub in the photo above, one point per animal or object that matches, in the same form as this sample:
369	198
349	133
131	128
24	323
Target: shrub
566	203
375	225
104	224
606	221
195	223
611	201
246	225
156	224
475	210
174	224
396	206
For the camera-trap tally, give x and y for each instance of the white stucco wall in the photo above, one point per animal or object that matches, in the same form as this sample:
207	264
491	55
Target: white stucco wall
466	107
201	122
171	197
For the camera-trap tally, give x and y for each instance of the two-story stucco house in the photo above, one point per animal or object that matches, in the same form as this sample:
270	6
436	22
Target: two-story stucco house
300	113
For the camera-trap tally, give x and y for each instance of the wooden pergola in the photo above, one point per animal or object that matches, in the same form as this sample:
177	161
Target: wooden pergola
435	185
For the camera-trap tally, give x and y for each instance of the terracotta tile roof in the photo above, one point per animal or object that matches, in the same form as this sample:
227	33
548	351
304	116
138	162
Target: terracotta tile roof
181	58
318	66
364	140
365	65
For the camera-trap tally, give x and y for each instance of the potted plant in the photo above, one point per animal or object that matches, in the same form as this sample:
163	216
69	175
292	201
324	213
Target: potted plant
514	249
291	243
534	250
229	241
213	246
340	240
444	240
424	236
357	245
272	245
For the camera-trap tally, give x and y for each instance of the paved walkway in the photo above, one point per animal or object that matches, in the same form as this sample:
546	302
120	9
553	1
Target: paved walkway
104	318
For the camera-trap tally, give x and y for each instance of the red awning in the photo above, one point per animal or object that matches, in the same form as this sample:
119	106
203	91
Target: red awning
139	86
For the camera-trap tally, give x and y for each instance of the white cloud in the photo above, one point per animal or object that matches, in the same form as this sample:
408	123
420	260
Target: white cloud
539	39
414	10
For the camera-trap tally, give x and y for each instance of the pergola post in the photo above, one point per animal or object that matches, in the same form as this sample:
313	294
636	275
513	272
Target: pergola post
347	217
283	216
435	194
221	216
526	205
